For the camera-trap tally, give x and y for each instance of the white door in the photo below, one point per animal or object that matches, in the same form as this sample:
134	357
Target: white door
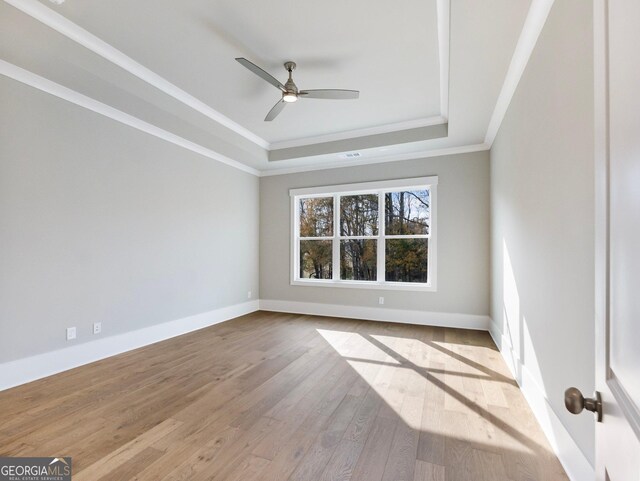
617	95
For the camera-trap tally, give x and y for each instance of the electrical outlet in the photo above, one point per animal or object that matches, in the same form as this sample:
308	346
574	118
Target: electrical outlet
71	333
249	295
97	327
380	300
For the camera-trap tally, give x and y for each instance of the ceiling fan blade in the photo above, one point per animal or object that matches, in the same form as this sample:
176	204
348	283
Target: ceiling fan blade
336	94
275	110
261	73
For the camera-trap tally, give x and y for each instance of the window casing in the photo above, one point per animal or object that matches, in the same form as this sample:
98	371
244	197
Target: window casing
353	235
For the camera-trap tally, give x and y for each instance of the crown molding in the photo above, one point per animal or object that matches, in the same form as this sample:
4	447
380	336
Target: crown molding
76	33
366	143
36	81
66	27
45	85
352	134
443	8
423	154
533	24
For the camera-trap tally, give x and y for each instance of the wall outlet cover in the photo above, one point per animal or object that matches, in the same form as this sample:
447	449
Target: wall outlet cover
97	327
71	333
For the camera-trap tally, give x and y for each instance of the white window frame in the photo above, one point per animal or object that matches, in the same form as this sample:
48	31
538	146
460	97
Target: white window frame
380	188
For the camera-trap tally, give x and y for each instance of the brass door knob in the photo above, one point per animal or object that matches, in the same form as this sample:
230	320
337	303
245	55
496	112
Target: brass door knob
575	402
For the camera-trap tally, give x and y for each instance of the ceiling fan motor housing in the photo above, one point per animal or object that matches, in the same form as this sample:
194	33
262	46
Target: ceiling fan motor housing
290	86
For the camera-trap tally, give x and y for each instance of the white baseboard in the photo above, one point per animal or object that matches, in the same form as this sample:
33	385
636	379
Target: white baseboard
29	369
424	318
22	371
572	458
39	366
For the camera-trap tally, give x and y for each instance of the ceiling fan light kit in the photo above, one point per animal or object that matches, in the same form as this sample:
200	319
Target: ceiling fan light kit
290	91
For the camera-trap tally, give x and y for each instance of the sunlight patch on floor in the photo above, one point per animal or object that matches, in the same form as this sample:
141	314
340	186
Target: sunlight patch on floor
435	387
351	344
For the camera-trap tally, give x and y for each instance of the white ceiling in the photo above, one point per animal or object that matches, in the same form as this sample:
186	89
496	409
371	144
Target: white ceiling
391	54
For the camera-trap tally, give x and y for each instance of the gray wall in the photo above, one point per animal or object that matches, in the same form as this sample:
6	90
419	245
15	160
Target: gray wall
542	201
100	222
463	235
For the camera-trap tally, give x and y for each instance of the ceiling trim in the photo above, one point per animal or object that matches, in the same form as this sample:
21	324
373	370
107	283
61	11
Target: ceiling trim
443	8
355	145
81	36
76	33
36	81
423	154
48	86
352	134
533	25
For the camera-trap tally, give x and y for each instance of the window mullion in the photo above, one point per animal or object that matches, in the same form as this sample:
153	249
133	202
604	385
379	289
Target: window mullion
412	236
296	238
381	240
336	238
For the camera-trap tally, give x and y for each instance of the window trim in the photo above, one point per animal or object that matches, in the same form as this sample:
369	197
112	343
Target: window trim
380	188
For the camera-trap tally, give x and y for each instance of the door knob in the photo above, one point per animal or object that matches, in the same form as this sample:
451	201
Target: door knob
575	402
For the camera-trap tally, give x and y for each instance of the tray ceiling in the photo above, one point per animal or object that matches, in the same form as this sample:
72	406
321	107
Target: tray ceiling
392	55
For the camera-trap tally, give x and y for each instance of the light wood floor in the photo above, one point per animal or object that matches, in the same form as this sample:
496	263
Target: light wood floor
284	397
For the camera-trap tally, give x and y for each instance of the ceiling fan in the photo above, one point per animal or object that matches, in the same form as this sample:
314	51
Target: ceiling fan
290	92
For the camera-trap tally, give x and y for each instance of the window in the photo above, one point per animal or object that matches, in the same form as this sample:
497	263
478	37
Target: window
377	235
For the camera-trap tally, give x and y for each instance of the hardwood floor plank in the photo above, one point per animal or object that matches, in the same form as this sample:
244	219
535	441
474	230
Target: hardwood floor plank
341	465
428	472
250	469
375	453
130	468
126	452
320	452
317	427
404	448
277	397
433	430
197	458
333	405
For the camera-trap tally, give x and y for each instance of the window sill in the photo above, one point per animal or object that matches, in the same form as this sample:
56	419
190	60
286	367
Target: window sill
386	286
